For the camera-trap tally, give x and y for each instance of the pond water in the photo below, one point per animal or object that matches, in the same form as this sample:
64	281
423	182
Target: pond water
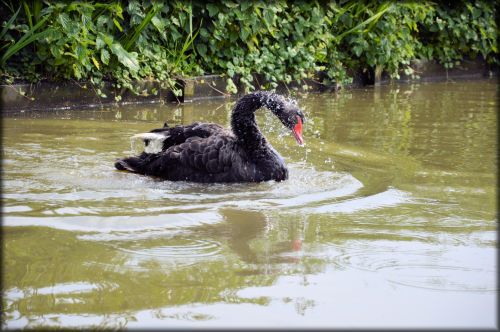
388	218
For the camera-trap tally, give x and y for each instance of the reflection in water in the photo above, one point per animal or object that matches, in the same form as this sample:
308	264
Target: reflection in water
242	230
392	198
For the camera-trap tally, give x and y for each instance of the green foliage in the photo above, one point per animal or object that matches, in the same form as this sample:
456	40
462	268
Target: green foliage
94	42
464	28
277	41
254	43
388	38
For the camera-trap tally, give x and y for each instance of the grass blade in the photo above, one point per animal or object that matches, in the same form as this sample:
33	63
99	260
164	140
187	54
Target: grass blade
28	14
9	23
25	40
372	19
129	40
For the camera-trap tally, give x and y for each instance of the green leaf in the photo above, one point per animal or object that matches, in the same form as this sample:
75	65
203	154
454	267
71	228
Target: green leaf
108	39
115	21
128	59
65	21
77	72
105	56
230	86
212	9
269	17
245	5
119	10
56	51
158	24
134	8
202	49
54	35
231	4
101	21
80	52
99	43
244	33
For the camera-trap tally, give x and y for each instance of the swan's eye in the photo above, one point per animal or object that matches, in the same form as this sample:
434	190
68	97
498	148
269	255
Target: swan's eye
302	117
298	120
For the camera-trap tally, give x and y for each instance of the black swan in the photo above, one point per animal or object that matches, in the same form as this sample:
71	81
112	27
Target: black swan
207	152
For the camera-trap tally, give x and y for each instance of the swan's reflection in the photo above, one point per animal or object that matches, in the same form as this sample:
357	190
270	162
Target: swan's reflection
248	237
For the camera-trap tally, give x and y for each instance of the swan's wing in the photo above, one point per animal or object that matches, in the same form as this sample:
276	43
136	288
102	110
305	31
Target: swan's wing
209	155
179	134
197	159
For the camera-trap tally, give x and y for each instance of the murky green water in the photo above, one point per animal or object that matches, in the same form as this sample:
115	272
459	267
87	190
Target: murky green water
388	219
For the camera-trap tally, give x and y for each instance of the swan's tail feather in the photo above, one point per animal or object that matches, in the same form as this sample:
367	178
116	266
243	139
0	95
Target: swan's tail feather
131	164
134	164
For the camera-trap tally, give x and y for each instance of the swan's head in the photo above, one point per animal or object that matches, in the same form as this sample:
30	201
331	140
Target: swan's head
293	120
290	115
287	110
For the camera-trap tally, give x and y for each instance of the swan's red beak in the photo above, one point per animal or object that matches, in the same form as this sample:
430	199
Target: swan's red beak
297	131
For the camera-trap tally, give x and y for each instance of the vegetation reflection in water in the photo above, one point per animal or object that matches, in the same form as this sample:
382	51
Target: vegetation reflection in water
388	219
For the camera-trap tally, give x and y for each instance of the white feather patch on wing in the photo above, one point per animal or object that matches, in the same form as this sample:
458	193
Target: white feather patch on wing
155	141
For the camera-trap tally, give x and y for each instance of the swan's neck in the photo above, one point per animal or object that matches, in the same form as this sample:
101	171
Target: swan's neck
243	121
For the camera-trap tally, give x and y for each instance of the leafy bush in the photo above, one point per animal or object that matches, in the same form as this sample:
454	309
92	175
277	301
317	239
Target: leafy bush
97	41
282	41
462	28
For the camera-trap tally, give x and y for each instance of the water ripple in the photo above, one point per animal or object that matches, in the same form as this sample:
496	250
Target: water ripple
422	267
188	248
147	196
389	198
103	224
